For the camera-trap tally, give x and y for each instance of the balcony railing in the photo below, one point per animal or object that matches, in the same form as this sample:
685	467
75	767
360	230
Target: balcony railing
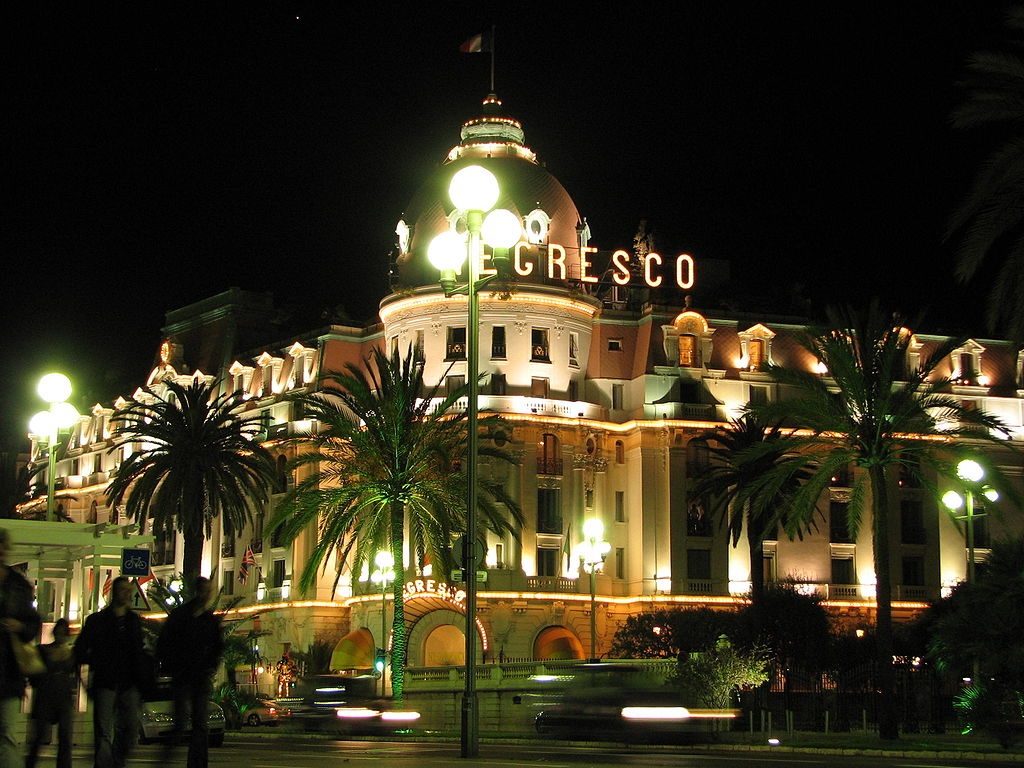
497	351
699	586
455	351
552	584
547	466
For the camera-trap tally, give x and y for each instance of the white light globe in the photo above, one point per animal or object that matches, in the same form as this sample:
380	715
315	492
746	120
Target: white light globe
473	189
41	424
991	494
970	470
593	529
65	415
502	229
447	252
952	500
384	559
54	387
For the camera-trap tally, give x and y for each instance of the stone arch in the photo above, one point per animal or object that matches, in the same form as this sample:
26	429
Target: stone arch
420	631
557	642
688	340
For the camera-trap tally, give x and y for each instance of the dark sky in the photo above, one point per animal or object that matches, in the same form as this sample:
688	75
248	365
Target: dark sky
162	152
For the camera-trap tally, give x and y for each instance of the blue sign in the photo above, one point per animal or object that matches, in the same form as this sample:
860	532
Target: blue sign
135	562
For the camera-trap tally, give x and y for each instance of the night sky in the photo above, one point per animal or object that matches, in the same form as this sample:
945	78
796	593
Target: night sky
160	153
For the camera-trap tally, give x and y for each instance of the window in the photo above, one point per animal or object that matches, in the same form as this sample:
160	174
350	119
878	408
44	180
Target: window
394	346
549	456
688	357
755	354
538	387
574	390
620	452
838	530
227	582
911	521
698	521
698	564
842	570
620	562
453	384
841	478
698	457
620	506
420	353
281	473
617	390
456	347
910	474
588	498
539	345
549	510
768	567
574	348
913	571
227	544
547	561
498	385
277	575
499	555
498	342
614	345
982	534
758	395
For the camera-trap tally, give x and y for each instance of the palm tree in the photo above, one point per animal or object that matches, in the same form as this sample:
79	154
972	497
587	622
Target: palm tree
385	459
990	220
874	414
197	461
729	486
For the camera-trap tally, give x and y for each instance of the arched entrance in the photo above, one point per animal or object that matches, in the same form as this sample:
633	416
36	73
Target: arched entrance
557	643
445	646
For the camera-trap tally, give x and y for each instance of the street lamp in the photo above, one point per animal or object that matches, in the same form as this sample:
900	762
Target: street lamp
55	389
384	573
474	190
972	476
593	551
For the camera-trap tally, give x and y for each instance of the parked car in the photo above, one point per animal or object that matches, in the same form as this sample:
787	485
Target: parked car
267	711
157	716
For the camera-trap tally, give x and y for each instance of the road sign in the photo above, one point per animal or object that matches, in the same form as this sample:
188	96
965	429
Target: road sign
460	551
459	575
139	600
134	562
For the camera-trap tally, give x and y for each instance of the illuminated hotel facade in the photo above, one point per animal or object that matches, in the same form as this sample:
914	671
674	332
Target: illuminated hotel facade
605	375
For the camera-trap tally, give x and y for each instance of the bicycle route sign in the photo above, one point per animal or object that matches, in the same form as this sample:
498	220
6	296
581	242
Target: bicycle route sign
134	562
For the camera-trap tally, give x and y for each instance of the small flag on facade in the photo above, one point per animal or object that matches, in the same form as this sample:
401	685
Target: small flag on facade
248	559
108	584
479	43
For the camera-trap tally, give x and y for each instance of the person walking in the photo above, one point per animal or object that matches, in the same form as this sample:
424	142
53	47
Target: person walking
111	644
20	620
52	697
189	650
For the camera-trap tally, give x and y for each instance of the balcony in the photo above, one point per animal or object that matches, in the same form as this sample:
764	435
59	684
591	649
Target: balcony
699	586
539	354
552	584
548	466
455	350
257	546
227	548
497	352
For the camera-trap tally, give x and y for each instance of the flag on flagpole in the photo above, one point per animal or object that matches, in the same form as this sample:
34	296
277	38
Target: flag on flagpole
248	559
479	43
108	584
566	548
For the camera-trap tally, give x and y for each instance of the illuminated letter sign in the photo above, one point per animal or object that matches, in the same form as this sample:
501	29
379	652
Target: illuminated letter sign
523	270
652	281
620	262
684	266
585	264
554	248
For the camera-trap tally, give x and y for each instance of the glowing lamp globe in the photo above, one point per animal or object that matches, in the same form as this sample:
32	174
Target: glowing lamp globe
502	229
65	414
593	529
41	424
384	560
447	252
991	494
970	470
54	387
952	500
473	189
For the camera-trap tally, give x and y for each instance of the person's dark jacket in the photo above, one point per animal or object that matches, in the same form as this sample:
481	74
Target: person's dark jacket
16	603
190	645
115	663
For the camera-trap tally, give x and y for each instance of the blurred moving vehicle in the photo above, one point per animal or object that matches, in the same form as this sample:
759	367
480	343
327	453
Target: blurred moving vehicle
614	702
156	721
345	704
267	711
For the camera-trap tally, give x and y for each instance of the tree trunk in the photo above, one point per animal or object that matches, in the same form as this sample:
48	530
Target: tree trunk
888	727
755	540
192	559
398	639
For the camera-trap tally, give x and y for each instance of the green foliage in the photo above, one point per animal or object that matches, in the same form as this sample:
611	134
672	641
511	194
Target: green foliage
709	678
235	704
991	707
670	633
385	460
316	659
791	627
197	461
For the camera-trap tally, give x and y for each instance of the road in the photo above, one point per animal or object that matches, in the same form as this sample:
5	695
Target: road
254	752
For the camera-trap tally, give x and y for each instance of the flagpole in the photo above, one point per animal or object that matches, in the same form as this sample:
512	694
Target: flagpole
493	46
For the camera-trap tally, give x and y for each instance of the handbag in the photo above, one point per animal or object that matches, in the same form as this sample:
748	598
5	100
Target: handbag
27	655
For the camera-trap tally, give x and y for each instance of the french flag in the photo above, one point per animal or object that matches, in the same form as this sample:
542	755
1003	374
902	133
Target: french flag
478	43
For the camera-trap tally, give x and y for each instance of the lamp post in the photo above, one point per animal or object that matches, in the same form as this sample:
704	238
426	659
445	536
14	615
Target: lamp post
972	475
384	573
474	190
55	389
593	551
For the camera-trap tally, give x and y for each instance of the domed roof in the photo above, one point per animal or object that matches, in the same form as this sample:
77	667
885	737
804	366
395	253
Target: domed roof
495	142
